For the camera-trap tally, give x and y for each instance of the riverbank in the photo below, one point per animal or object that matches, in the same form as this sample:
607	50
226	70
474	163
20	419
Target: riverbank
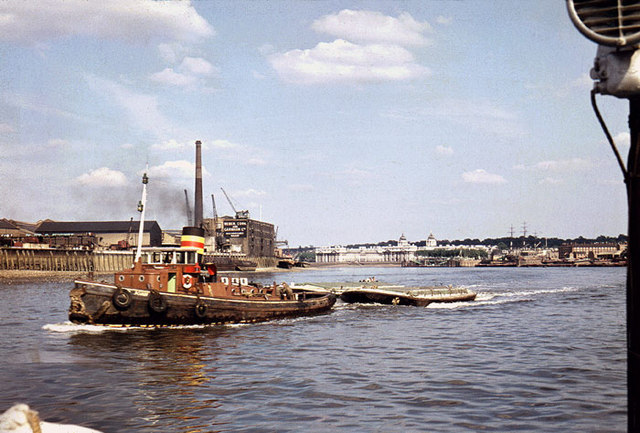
50	275
14	274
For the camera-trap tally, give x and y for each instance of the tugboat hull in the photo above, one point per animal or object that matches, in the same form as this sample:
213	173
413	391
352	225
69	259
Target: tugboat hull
107	304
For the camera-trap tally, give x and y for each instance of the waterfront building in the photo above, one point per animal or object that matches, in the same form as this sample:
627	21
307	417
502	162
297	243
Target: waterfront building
402	252
591	251
98	234
240	235
15	228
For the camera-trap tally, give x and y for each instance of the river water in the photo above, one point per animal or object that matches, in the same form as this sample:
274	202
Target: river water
540	350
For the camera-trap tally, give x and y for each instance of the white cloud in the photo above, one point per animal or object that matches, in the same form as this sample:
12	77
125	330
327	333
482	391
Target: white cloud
370	48
174	169
197	65
445	21
444	150
102	176
482	176
170	77
343	61
134	20
172	51
190	73
622	140
373	27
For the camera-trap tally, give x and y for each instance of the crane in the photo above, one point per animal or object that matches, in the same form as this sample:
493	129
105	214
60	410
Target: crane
276	242
244	214
189	215
215	210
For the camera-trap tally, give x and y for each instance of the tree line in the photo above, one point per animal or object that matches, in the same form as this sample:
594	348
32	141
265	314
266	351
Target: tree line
503	243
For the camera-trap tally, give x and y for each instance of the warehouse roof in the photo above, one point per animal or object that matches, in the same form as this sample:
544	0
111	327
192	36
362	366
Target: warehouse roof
51	227
26	228
6	224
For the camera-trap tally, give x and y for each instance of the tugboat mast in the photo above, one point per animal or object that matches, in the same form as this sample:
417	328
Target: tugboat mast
141	208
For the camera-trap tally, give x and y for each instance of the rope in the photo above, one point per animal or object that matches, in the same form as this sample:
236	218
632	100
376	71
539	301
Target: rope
606	132
34	421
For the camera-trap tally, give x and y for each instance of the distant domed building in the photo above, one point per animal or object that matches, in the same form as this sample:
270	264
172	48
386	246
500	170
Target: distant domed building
431	241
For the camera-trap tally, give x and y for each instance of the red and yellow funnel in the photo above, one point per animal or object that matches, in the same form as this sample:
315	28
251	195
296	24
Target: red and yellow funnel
193	237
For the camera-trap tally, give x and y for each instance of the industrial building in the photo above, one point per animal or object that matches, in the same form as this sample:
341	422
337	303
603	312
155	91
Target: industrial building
240	235
15	228
591	251
98	234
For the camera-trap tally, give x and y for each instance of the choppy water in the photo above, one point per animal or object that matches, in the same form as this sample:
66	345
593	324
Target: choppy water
540	350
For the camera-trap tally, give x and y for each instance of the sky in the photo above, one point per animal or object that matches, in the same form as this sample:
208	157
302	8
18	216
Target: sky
337	121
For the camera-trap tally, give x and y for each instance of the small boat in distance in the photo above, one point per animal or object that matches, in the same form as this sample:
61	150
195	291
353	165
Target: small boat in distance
175	286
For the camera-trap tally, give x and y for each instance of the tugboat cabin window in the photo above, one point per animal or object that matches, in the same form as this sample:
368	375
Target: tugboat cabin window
170	257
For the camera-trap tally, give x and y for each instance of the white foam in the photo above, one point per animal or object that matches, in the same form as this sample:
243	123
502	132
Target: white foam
68	327
533	292
497	298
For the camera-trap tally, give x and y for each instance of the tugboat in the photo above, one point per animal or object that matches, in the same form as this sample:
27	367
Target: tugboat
175	287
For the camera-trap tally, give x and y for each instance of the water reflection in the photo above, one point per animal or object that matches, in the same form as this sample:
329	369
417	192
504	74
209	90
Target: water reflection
153	364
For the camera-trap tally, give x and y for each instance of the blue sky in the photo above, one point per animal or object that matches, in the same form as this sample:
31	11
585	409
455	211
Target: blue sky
337	121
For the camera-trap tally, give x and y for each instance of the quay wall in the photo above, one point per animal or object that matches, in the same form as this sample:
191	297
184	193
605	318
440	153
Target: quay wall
34	259
64	260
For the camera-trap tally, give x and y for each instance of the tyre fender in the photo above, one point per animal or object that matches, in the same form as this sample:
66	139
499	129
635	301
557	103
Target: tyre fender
121	298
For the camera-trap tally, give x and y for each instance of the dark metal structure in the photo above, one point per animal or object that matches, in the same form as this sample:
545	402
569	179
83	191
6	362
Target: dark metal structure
615	26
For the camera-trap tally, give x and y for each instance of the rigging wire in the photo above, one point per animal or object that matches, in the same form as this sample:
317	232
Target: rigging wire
625	173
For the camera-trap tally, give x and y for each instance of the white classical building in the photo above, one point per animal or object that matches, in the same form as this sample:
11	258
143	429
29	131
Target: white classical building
403	252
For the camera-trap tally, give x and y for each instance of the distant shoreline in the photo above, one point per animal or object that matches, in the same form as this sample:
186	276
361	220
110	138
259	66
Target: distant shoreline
70	275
